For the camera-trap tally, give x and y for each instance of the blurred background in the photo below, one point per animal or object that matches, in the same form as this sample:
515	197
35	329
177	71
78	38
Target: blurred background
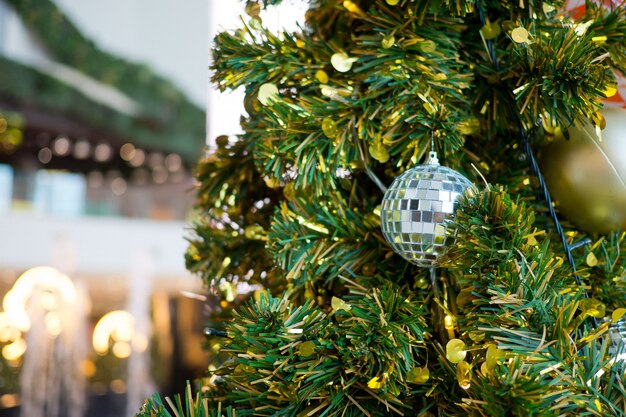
105	108
102	118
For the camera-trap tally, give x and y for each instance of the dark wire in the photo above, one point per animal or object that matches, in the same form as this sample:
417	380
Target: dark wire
492	52
214	332
533	161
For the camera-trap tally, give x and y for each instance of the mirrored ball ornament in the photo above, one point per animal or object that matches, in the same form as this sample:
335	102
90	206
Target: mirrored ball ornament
418	210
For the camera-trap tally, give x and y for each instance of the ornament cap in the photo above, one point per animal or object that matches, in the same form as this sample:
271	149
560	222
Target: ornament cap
432	159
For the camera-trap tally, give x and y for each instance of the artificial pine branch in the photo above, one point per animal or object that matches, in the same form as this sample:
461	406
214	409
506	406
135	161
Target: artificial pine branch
289	360
556	77
516	295
235	206
190	407
609	26
345	327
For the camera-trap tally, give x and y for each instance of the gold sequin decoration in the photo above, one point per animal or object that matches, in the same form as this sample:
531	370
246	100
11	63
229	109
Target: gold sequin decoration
388	41
520	35
342	62
455	350
418	375
321	76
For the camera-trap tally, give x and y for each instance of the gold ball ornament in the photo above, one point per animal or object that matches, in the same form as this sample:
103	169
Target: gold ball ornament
586	174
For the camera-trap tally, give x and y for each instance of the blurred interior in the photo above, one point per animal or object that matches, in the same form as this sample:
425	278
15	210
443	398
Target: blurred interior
102	119
103	115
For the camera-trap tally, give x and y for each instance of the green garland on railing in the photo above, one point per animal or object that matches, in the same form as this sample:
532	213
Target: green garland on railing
27	86
172	117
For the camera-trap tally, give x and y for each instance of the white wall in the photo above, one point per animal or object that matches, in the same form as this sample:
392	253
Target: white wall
168	35
15	40
93	246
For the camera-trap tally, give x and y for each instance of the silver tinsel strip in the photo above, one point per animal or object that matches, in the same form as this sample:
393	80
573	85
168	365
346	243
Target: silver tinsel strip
617	332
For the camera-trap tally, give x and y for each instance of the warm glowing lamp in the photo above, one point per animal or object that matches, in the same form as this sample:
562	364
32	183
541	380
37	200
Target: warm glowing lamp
15	350
52	284
117	326
8	331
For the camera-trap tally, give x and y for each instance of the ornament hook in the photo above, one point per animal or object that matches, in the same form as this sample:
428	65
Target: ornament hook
432	155
432	158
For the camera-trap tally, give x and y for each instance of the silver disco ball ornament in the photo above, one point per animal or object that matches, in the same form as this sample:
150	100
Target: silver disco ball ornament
418	210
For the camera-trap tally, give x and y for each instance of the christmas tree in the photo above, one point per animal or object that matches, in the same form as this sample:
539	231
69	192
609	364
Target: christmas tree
501	310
